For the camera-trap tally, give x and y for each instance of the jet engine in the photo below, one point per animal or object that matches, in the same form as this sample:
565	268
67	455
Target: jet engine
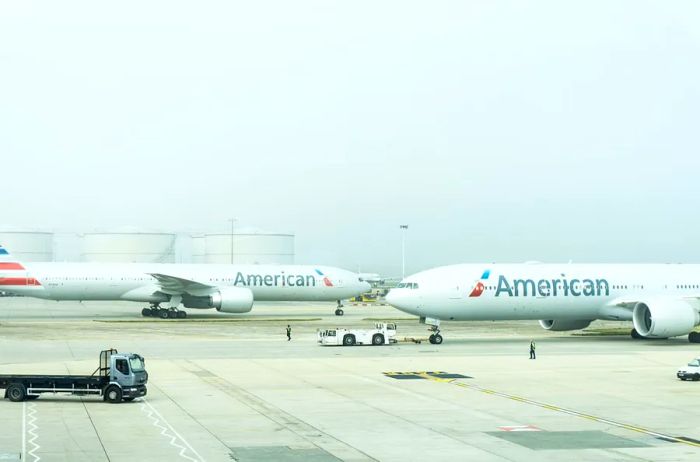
225	299
664	318
559	325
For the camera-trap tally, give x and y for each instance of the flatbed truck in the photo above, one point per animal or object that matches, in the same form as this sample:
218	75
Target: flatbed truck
119	377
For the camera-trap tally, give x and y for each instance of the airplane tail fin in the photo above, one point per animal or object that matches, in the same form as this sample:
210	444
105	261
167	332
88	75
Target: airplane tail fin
5	255
12	272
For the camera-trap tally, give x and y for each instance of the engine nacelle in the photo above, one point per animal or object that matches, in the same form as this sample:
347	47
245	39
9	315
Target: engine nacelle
559	325
664	318
225	299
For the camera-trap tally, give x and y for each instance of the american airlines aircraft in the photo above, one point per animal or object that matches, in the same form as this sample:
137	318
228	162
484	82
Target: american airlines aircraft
662	300
227	288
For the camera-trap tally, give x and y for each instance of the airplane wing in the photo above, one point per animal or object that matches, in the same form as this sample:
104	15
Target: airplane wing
630	302
177	285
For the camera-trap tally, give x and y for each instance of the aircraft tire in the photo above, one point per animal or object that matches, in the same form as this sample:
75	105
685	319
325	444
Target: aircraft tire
431	339
181	314
339	312
438	339
694	337
163	314
146	312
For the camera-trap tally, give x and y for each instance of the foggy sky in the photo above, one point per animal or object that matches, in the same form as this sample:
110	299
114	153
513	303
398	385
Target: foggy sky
498	131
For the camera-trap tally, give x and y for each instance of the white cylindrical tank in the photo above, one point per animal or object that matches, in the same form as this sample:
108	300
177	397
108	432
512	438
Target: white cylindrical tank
129	247
28	245
250	248
198	248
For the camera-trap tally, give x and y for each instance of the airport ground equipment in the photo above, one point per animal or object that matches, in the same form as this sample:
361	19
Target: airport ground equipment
119	377
382	334
691	371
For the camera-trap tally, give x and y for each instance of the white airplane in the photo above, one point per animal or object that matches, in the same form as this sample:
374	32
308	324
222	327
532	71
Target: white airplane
662	300
227	288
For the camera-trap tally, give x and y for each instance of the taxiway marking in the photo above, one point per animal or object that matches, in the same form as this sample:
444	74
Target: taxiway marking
563	410
157	418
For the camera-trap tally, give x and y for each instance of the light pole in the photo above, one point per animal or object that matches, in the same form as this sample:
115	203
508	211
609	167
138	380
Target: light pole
233	221
403	228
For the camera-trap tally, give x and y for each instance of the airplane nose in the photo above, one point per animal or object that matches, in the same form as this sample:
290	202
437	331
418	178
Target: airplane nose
393	298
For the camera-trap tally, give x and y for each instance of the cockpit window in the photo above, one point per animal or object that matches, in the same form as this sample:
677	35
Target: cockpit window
407	285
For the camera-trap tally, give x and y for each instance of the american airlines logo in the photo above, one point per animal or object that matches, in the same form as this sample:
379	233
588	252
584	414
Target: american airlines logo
280	280
479	286
557	287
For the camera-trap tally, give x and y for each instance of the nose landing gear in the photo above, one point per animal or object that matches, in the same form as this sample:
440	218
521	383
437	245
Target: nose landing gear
434	327
339	309
435	338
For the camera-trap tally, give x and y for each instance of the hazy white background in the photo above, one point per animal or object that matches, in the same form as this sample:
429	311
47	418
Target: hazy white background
499	131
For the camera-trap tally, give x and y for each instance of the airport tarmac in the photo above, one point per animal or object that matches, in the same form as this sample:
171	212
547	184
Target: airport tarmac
225	387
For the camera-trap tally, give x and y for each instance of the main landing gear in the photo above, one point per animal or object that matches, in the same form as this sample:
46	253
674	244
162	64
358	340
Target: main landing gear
694	337
339	309
163	313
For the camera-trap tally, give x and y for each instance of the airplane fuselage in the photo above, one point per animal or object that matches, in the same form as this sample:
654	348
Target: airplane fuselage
542	291
131	281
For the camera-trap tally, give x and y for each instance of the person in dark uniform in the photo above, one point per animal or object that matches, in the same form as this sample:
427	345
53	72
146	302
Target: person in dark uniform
532	350
289	333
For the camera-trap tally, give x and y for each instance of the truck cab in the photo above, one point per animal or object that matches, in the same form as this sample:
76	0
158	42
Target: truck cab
691	371
128	371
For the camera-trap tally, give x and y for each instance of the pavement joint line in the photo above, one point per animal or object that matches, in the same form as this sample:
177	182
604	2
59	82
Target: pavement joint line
302	429
562	410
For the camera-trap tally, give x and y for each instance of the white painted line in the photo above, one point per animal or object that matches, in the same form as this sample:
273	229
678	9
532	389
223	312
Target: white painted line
24	430
32	427
150	411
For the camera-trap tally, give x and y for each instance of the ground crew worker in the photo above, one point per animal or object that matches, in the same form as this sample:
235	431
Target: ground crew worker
532	349
289	333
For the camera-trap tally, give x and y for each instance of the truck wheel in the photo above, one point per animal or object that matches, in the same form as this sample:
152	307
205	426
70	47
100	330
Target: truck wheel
113	394
378	339
16	392
349	340
163	314
438	339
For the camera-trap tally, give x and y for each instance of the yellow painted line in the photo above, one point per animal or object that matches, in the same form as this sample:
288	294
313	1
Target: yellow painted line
559	409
